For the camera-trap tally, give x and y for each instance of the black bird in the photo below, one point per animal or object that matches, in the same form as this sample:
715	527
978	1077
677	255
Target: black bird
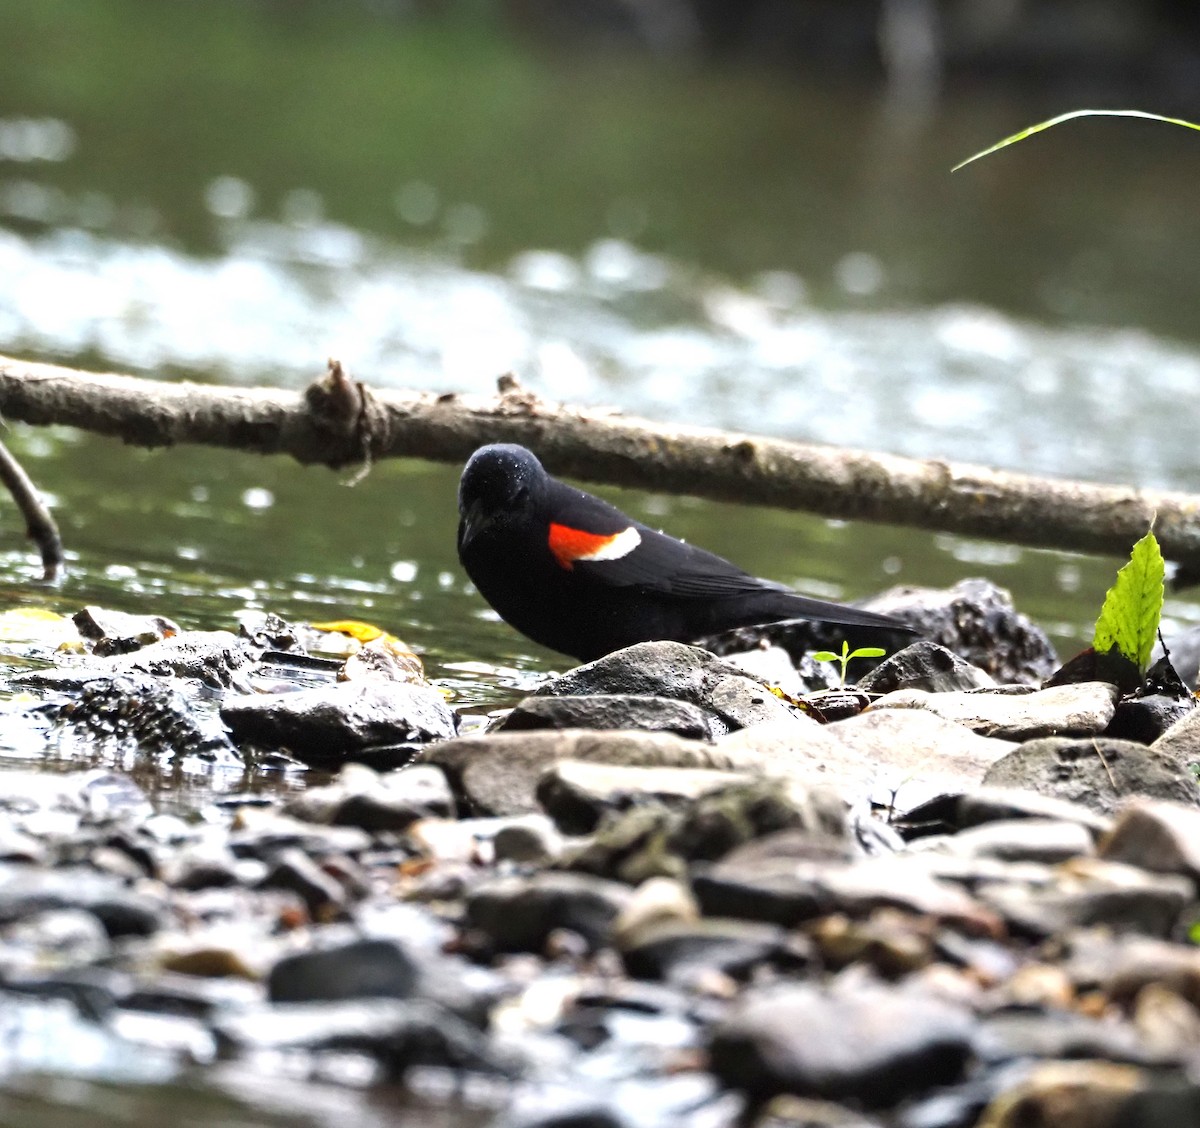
577	575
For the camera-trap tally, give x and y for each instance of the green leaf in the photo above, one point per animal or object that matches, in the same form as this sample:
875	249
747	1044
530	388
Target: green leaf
1069	117
1133	606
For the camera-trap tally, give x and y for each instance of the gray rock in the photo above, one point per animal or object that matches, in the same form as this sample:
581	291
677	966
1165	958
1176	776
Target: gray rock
1149	717
1100	773
976	620
924	665
1057	1034
1082	708
578	794
294	871
218	659
355	970
1181	742
1018	840
328	724
118	632
376	801
953	812
518	914
760	882
528	842
679	949
1087	892
498	773
399	1034
873	1044
683	673
1159	837
122	911
611	711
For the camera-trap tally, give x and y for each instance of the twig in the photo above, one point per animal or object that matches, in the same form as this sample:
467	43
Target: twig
38	523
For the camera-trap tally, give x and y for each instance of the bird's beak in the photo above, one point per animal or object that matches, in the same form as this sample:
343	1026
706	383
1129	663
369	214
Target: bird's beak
473	519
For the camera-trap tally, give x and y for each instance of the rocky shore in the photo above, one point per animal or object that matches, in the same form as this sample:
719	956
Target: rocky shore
669	888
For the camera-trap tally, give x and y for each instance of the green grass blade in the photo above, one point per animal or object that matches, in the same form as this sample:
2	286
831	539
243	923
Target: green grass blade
1070	117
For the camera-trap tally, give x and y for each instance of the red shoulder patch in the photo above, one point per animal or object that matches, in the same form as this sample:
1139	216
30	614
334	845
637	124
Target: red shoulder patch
570	545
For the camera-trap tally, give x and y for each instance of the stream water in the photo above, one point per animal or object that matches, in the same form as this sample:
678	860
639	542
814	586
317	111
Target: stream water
234	192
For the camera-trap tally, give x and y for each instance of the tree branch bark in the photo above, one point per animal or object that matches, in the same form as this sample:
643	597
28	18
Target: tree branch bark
337	422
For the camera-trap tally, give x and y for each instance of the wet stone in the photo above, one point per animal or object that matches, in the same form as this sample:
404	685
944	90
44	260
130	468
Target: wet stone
498	773
1018	840
218	659
1100	773
374	801
1146	718
518	914
1080	708
293	871
1087	892
611	711
927	666
356	970
875	1045
121	910
327	725
398	1034
680	949
1160	837
577	795
673	670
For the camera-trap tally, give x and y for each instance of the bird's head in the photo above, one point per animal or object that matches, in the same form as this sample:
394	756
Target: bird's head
500	482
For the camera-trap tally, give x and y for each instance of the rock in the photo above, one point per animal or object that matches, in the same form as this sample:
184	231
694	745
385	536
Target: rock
657	900
1018	840
611	711
912	754
953	812
1079	709
498	773
376	802
1028	1033
383	659
683	673
892	943
682	949
926	666
1067	1094
872	1044
329	724
1148	717
528	842
518	914
1100	773
355	970
218	659
295	872
263	834
1159	837
773	665
117	632
976	620
399	1034
788	1111
1090	891
653	840
577	794
1181	742
122	911
762	882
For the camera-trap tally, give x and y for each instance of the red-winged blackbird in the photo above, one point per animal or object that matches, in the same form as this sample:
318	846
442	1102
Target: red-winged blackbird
577	575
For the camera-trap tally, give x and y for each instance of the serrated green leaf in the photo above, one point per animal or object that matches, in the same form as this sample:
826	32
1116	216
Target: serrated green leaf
1133	606
1012	140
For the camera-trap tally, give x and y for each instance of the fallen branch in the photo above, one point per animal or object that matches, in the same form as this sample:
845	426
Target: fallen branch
38	523
338	422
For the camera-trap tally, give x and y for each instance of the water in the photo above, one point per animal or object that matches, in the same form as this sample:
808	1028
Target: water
721	246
